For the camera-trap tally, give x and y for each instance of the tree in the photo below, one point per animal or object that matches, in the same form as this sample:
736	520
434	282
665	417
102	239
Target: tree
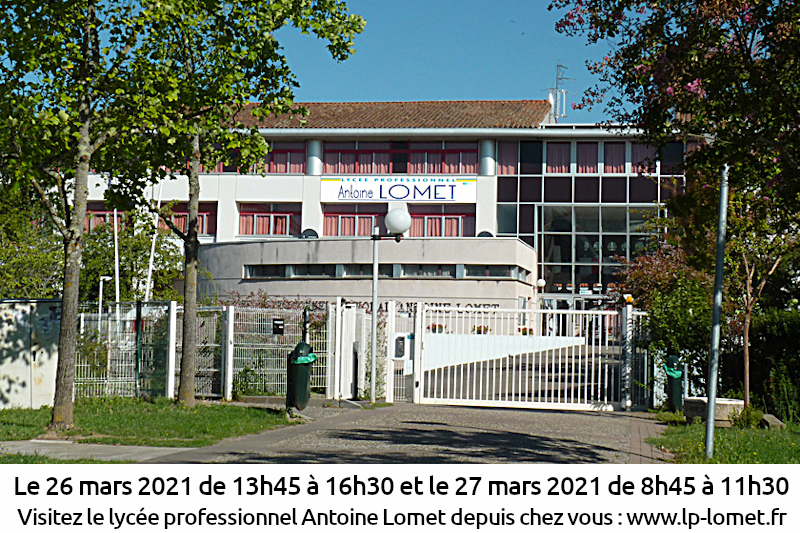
65	91
30	251
208	61
135	237
726	69
722	71
677	298
764	232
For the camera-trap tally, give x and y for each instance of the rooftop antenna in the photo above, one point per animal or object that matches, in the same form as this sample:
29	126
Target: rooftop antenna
558	96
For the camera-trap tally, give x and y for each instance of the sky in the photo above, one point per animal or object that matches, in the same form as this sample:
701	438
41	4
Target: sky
446	50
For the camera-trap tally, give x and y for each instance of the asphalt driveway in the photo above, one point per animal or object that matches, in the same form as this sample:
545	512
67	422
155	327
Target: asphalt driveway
406	433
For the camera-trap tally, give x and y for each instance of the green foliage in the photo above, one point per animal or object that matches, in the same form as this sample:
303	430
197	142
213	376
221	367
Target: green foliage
725	69
38	459
135	234
774	341
671	418
23	424
678	301
158	422
747	418
31	254
247	382
732	445
783	392
92	351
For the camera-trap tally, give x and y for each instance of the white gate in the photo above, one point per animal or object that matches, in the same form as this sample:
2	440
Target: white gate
560	359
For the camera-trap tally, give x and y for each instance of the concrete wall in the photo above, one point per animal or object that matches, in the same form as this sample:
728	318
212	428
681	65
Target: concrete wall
226	263
29	332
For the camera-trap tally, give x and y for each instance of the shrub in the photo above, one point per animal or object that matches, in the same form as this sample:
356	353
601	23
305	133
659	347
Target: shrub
747	418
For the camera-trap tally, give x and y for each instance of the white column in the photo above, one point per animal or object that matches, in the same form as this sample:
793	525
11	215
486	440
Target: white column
419	332
486	204
172	344
227	208
312	217
227	354
391	314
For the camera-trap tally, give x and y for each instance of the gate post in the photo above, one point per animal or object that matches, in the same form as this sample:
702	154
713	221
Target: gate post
330	349
626	379
337	351
419	358
172	341
391	311
227	353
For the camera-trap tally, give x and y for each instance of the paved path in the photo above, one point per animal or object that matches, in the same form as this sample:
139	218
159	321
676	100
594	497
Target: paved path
406	433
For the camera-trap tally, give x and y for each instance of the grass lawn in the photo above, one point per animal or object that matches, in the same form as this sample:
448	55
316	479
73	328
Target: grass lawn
144	423
35	459
732	445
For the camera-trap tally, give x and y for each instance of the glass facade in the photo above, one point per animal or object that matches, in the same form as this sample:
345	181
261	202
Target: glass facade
582	205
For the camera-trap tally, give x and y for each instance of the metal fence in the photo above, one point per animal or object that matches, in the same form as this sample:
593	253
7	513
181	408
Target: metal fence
533	358
261	351
209	356
122	350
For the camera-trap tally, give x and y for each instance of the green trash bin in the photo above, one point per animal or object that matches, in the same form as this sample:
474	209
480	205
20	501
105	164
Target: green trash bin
298	376
674	383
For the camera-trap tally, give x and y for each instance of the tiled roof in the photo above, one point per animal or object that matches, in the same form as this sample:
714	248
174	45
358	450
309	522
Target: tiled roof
439	114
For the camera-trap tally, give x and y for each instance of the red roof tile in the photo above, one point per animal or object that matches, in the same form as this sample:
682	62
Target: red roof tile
433	114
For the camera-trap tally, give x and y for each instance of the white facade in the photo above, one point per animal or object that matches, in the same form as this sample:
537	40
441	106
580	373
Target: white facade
575	194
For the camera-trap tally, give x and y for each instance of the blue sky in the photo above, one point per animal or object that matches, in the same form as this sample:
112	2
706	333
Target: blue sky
446	50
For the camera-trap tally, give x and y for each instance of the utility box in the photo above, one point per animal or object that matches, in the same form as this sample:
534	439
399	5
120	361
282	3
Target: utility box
29	333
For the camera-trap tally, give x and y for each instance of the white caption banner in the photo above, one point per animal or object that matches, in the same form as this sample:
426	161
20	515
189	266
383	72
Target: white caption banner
389	497
417	189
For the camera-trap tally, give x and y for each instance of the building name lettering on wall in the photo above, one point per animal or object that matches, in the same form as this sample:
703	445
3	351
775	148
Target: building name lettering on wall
389	189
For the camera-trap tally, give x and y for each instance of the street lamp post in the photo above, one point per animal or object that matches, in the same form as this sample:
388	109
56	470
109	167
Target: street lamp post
713	356
398	221
100	304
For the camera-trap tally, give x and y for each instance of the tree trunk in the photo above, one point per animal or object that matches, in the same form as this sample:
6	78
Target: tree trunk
73	248
746	339
186	392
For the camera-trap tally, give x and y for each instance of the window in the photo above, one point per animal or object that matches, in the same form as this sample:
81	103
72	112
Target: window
558	158
365	270
286	158
400	157
507	189
493	271
429	271
506	218
643	158
206	218
264	271
614	158
442	221
269	219
615	190
558	189
97	214
587	158
530	157
507	157
283	158
672	159
314	271
644	189
351	220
